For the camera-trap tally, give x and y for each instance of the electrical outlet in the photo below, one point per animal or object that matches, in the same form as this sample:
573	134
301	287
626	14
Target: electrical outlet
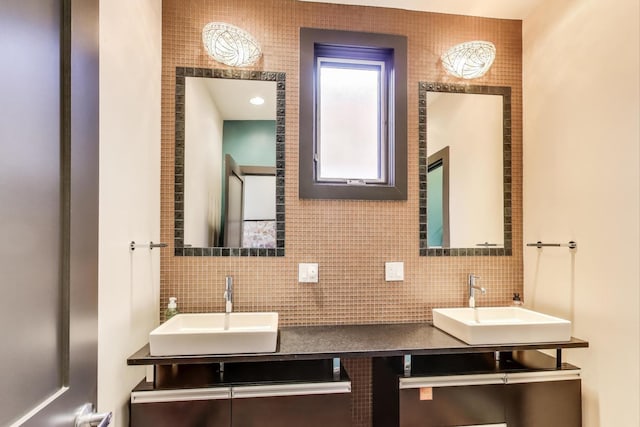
308	273
394	271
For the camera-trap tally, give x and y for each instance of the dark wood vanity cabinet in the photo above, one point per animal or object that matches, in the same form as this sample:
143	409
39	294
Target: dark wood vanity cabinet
476	389
263	394
447	383
309	405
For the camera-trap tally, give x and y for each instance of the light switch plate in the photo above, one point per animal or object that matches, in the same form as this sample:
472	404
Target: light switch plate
308	272
394	271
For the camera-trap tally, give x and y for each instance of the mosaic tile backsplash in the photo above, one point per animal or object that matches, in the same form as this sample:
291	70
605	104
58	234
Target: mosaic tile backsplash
350	240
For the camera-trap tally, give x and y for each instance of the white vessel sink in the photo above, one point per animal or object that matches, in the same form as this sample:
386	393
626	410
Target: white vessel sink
192	334
501	325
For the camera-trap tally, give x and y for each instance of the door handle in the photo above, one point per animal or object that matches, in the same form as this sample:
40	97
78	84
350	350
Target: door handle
88	417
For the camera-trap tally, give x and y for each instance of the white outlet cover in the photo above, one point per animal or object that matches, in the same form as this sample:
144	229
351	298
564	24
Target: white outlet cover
394	271
308	272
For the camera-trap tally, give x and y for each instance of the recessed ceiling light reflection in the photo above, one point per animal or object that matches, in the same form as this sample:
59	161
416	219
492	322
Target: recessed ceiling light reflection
256	100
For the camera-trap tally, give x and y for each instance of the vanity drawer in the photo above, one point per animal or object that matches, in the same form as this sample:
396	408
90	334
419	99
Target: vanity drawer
536	399
185	407
300	404
451	401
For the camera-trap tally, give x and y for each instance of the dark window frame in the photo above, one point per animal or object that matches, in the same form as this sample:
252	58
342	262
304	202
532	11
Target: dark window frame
316	41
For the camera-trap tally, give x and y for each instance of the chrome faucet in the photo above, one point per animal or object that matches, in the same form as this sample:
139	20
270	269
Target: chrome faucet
472	289
228	294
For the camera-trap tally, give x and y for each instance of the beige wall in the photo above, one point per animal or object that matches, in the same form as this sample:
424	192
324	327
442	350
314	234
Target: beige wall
581	182
351	240
129	193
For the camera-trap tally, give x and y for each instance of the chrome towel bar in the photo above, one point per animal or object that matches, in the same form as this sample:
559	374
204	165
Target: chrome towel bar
133	245
570	245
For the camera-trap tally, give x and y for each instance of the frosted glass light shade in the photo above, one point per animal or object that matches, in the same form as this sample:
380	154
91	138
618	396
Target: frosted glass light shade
230	45
469	60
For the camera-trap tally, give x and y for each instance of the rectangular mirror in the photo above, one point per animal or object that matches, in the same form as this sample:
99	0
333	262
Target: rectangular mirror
229	167
465	169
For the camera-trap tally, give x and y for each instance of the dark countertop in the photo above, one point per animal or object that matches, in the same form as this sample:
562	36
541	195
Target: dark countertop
350	341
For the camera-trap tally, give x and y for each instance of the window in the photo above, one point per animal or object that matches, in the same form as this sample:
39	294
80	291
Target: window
352	115
351	141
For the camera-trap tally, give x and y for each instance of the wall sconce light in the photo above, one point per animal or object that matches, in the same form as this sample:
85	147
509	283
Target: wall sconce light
230	45
469	60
